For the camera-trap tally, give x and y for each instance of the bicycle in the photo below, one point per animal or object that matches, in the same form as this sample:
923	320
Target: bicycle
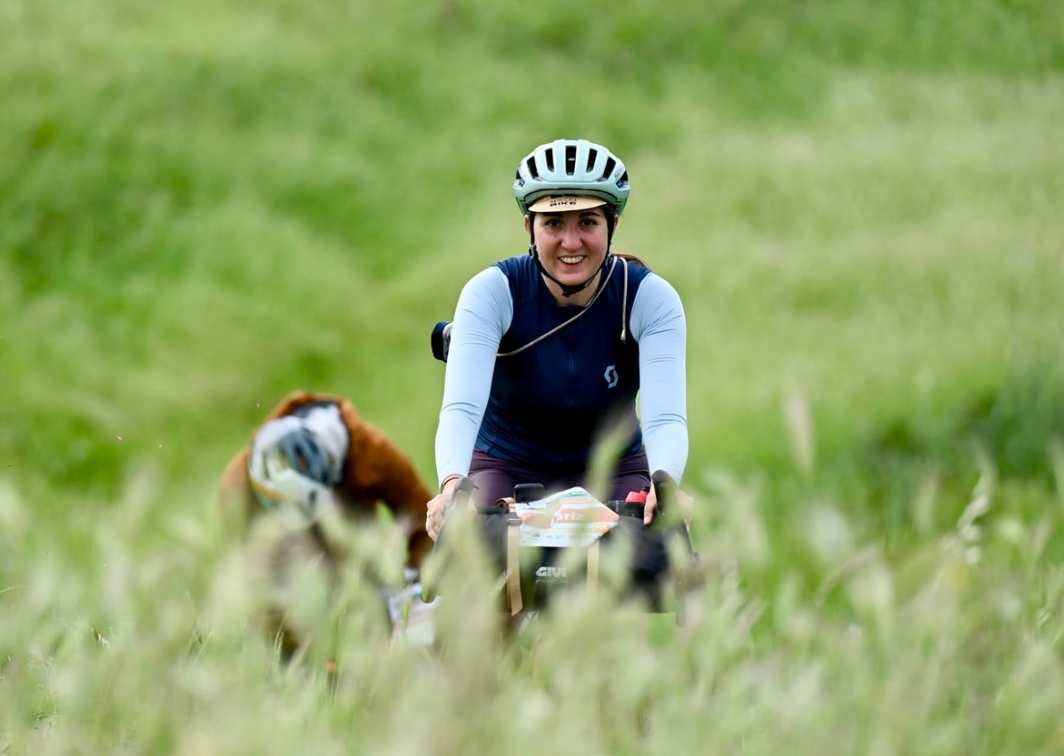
530	538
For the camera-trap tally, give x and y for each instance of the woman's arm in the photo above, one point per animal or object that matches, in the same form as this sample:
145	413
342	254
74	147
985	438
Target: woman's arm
658	324
483	315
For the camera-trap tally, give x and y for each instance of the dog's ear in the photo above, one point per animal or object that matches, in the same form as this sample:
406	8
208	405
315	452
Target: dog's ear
348	413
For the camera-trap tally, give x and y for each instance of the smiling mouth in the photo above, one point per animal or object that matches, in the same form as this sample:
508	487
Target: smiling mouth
572	259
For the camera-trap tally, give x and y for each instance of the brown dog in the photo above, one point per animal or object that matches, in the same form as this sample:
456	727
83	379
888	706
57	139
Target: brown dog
375	470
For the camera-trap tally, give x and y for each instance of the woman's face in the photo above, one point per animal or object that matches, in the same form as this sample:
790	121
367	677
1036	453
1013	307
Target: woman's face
571	245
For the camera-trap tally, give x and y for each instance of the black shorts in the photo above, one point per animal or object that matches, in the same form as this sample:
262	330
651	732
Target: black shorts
496	478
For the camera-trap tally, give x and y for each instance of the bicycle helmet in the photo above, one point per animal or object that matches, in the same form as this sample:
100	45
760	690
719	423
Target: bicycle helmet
566	170
299	458
570	174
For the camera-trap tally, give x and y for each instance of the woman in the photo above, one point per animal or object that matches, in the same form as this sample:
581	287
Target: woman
549	349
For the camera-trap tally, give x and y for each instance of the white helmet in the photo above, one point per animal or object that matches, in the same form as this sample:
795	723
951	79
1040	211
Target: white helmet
297	459
276	484
571	168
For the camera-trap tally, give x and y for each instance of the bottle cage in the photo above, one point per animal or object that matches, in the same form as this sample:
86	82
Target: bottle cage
441	332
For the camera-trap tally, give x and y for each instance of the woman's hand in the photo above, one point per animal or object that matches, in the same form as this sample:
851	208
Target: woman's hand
437	506
681	499
650	506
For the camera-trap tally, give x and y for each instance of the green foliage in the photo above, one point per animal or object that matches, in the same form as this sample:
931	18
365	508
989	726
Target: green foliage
203	206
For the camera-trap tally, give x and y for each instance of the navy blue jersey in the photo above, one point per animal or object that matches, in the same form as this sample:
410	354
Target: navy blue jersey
548	403
544	406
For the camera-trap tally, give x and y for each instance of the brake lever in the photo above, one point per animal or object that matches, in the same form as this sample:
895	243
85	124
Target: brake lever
665	488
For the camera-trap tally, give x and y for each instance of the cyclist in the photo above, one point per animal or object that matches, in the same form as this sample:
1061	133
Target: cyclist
549	349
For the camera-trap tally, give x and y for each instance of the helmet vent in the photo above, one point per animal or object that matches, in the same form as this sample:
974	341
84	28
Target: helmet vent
570	159
591	155
531	163
623	180
550	160
610	163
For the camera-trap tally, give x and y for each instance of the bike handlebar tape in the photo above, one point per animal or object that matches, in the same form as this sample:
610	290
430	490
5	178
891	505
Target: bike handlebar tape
633	509
465	485
529	492
664	485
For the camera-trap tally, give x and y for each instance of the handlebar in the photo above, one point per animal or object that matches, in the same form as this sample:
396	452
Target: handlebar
525	492
664	485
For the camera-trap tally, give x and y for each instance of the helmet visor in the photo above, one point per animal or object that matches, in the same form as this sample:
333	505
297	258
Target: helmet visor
565	203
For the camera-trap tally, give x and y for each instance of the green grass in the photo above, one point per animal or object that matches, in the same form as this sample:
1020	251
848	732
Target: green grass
203	206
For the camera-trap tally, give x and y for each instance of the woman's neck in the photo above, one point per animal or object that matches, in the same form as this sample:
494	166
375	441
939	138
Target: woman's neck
579	299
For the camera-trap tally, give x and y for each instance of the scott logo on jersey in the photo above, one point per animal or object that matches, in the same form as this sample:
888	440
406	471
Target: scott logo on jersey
611	376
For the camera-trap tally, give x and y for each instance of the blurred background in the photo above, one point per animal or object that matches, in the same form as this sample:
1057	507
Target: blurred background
204	205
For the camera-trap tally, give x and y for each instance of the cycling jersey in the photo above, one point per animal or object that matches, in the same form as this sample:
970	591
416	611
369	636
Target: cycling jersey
545	405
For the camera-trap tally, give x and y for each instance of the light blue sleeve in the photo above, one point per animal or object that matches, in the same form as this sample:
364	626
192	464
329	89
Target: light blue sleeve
658	324
484	313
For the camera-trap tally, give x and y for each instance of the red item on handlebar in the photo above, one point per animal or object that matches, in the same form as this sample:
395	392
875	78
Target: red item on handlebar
636	497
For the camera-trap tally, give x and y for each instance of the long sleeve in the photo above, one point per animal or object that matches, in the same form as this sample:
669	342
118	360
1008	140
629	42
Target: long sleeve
659	325
483	315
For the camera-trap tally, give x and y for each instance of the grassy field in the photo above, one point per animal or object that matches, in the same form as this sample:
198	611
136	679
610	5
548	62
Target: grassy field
205	205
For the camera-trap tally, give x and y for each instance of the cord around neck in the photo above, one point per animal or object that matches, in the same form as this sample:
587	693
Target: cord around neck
583	310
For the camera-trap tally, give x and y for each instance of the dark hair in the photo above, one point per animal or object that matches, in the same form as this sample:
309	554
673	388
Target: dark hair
631	258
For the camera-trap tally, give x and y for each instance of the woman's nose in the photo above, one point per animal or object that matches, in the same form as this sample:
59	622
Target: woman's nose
571	238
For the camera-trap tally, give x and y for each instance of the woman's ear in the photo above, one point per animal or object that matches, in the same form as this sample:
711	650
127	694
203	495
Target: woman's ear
616	221
528	223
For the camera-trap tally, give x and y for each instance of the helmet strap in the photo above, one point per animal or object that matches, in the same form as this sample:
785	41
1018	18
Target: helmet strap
567	289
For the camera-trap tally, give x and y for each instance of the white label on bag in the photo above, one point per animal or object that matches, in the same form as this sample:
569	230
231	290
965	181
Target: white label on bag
570	518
